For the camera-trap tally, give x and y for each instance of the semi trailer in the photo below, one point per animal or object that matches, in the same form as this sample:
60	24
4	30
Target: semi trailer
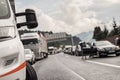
37	43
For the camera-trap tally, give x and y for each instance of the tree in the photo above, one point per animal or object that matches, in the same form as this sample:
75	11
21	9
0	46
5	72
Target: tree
105	32
115	27
98	33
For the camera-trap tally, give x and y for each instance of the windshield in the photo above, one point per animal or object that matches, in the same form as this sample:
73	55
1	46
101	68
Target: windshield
103	43
7	33
29	41
4	9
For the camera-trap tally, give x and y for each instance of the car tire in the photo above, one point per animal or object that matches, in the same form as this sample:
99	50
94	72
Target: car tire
45	55
30	72
117	54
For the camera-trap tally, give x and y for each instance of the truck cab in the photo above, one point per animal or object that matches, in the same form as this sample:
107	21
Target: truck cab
12	57
32	41
37	43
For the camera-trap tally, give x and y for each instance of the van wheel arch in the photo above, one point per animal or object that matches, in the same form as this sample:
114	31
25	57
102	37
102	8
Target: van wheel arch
30	72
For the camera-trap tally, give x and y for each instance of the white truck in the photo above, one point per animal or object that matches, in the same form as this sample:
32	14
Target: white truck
12	58
36	43
44	47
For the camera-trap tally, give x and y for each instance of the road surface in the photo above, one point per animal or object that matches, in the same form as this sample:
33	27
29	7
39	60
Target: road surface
66	67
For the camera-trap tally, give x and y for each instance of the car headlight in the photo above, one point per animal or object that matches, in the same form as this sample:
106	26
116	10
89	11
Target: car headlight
9	60
117	48
101	49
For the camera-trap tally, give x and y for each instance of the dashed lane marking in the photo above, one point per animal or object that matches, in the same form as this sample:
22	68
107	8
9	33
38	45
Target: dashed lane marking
73	72
76	74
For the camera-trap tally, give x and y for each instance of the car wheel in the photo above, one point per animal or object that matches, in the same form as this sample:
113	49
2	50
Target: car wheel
45	55
117	54
30	72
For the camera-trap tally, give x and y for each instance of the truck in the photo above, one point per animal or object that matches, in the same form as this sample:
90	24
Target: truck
13	65
36	43
44	47
51	50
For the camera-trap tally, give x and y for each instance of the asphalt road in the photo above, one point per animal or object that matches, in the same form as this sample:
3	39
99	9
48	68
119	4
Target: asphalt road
66	67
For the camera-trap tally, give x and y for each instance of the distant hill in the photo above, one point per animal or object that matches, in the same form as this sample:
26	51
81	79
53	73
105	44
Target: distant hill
86	36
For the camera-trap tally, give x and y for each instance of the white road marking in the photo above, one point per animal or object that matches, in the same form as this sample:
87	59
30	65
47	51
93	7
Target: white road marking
76	74
104	64
67	56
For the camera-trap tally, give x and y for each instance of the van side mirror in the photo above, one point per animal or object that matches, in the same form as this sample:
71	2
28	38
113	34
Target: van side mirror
31	20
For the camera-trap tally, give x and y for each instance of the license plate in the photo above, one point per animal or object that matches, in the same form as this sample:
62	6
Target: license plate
111	51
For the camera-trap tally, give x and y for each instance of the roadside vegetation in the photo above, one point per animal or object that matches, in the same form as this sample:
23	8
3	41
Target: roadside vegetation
100	34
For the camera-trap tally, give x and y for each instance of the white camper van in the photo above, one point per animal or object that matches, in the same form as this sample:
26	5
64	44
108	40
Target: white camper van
12	58
35	42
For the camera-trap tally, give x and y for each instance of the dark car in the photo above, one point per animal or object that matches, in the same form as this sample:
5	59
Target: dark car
106	48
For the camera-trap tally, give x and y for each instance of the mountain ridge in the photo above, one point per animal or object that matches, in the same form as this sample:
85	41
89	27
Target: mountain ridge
86	36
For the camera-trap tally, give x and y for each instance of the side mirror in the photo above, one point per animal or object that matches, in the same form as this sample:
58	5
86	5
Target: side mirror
31	20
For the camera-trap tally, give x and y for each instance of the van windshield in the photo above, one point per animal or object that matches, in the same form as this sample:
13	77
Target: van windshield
4	9
30	41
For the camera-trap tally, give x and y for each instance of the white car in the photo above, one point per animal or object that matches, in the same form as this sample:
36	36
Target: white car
106	47
29	56
73	50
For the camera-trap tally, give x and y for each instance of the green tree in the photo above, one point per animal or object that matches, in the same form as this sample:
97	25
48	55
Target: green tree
115	27
98	33
105	32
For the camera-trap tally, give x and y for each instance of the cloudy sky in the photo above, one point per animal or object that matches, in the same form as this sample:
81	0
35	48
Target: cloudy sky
72	16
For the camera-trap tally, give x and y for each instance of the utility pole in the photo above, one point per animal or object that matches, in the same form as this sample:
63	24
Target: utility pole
72	42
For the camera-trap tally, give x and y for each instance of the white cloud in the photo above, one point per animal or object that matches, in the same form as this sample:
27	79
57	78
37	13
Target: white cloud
72	16
114	1
73	19
79	20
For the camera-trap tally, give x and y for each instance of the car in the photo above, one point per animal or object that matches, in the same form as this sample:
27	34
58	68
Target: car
73	50
52	50
68	49
78	50
105	48
29	56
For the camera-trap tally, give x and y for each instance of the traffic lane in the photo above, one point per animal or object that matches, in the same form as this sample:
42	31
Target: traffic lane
110	59
52	69
89	70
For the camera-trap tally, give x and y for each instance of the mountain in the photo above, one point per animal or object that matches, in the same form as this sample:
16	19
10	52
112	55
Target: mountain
86	36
